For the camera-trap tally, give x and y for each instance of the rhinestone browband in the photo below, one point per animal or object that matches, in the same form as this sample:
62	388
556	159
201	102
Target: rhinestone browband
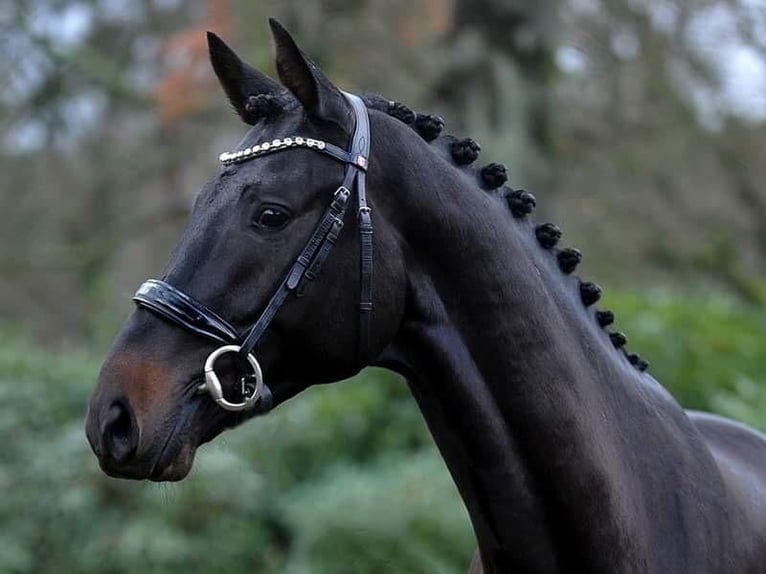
230	157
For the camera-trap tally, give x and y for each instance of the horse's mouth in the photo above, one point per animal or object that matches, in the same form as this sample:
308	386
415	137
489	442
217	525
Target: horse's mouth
174	460
170	448
176	455
173	466
199	421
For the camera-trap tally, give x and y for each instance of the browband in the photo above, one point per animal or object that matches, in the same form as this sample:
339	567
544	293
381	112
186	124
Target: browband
258	150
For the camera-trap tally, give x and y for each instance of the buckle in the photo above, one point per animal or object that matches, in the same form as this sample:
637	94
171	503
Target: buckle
339	199
360	161
342	190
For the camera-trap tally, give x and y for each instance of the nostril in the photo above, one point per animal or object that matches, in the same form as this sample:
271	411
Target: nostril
120	432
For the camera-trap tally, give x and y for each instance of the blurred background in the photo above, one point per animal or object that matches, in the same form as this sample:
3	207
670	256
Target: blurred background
639	124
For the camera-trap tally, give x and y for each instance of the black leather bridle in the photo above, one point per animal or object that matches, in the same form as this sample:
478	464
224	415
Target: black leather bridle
171	304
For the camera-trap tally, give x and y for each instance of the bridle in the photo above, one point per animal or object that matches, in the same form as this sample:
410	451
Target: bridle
177	307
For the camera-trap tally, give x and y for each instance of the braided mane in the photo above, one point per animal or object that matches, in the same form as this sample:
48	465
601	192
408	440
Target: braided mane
493	177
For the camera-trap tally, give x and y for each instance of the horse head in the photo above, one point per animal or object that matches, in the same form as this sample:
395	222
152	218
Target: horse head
147	415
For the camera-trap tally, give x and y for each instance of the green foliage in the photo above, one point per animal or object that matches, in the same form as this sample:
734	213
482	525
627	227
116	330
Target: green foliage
709	352
342	479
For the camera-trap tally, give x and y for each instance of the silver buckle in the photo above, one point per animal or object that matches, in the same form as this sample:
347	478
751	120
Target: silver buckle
213	385
360	161
342	190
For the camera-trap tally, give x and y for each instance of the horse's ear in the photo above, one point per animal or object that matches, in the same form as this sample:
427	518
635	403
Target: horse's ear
239	80
318	96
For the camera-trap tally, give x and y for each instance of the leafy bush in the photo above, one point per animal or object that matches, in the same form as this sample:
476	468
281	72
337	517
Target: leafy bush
342	479
709	352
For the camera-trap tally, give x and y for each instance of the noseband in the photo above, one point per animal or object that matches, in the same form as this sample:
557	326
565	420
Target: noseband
177	307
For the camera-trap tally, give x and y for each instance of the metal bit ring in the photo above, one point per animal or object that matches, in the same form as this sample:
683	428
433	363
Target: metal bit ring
213	384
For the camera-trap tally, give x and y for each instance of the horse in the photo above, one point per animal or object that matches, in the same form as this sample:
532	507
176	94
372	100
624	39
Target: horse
568	454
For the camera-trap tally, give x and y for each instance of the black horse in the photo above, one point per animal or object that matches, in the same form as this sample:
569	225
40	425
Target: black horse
568	455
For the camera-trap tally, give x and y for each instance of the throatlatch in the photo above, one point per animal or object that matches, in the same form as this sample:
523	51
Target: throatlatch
177	307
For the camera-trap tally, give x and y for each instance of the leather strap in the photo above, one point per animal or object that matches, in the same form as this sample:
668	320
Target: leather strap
179	308
332	220
361	146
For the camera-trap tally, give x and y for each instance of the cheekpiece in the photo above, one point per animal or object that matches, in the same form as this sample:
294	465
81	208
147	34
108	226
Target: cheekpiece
230	157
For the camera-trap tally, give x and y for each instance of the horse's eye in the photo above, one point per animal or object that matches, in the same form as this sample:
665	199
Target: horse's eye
272	217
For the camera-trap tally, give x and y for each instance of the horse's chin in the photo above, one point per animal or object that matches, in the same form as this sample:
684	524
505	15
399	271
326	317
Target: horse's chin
174	469
163	471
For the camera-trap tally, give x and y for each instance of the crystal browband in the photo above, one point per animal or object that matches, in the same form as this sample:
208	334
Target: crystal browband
230	157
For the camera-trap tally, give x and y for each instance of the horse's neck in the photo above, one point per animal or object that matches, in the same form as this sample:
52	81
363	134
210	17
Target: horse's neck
532	408
510	403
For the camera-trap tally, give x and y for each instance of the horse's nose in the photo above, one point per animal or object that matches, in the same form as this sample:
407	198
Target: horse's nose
119	432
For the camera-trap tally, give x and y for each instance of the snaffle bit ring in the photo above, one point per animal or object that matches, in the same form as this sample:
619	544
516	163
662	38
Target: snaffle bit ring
213	384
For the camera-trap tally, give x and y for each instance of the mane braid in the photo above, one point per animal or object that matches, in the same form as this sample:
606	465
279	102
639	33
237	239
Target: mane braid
264	106
521	203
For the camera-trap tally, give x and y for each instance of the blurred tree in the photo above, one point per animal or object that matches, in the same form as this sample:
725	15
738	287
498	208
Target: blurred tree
185	83
649	148
80	97
499	81
112	122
